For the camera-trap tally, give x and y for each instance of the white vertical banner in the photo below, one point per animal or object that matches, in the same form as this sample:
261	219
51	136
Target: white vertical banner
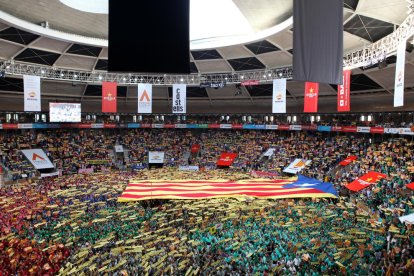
31	93
399	75
279	96
179	98
144	98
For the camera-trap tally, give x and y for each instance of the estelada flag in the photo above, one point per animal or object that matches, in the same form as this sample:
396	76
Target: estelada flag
311	97
109	97
410	186
348	160
195	148
365	181
226	159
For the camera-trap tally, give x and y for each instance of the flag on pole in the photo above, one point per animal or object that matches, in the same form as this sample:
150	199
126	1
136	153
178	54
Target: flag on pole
109	97
311	97
344	93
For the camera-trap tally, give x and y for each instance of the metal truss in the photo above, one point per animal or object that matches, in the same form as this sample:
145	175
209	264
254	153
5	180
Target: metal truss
369	55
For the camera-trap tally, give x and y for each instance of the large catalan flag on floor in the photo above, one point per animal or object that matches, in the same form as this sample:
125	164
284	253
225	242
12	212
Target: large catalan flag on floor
299	187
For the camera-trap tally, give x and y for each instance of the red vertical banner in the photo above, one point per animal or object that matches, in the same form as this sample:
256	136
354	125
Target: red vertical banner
109	97
344	93
311	97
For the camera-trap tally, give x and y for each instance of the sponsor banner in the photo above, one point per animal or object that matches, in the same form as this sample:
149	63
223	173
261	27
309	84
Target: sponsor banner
296	166
213	85
379	130
250	82
84	125
86	171
134	125
226	159
180	126
110	125
119	148
157	125
109	97
225	126
146	126
10	126
284	127
260	127
195	148
189	168
192	126
336	128
364	129
169	126
279	96
43	175
391	130
179	99
237	126
38	158
119	125
272	127
365	181
53	126
31	93
344	92
269	152
349	129
203	126
311	97
156	157
324	128
144	98
249	126
213	125
399	75
348	160
97	125
25	126
295	127
405	131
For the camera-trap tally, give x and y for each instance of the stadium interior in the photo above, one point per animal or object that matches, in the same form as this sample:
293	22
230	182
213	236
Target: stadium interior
106	173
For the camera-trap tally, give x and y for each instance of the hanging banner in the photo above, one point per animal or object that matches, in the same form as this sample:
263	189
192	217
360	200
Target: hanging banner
38	158
144	98
365	181
109	97
179	98
311	97
279	96
399	75
344	93
155	157
226	159
31	93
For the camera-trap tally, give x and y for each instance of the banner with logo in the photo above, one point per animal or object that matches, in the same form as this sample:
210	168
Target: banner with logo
119	148
38	158
43	175
156	157
195	148
189	168
144	98
279	96
348	160
344	93
311	97
365	181
296	166
226	159
179	98
399	75
109	97
31	93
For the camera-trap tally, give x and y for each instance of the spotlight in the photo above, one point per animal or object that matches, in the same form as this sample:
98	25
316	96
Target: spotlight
62	75
181	79
2	74
75	76
100	77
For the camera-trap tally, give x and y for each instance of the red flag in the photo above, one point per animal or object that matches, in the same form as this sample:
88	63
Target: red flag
109	97
364	181
195	148
410	186
344	93
348	160
226	159
311	97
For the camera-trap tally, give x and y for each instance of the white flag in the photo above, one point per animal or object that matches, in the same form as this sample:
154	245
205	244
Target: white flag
144	98
279	96
32	93
399	76
179	98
